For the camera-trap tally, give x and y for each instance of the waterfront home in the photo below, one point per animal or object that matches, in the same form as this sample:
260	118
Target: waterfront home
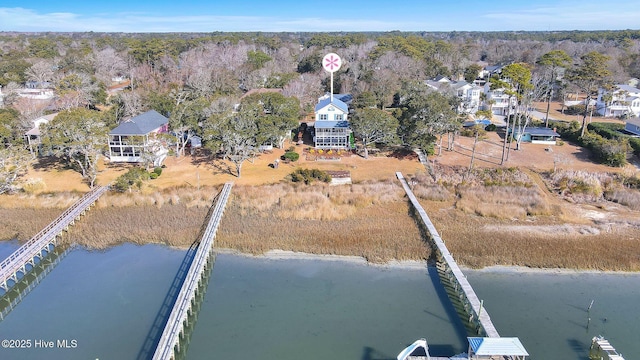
136	140
498	100
469	94
331	124
622	100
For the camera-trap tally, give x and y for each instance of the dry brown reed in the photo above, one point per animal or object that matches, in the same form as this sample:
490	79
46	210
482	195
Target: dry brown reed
369	220
582	185
495	226
478	242
627	197
505	202
175	225
190	197
23	223
60	200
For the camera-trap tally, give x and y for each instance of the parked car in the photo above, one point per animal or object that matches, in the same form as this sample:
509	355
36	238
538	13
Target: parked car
483	122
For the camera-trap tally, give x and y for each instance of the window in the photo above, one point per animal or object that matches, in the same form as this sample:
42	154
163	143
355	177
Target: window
323	117
338	117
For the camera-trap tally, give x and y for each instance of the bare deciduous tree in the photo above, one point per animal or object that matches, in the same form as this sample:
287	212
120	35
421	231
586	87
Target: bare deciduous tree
41	71
109	64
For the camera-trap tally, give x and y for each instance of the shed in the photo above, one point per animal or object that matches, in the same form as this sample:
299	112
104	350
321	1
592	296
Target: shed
538	135
496	348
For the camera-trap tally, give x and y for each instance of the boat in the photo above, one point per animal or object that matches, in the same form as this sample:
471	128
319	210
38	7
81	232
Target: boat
419	350
601	349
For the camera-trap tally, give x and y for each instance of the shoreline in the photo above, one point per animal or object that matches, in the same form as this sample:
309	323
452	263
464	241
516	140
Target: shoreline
417	265
278	254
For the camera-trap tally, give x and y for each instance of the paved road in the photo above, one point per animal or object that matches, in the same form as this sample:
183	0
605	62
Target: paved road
540	115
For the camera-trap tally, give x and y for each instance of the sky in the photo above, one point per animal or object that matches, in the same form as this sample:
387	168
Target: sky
317	16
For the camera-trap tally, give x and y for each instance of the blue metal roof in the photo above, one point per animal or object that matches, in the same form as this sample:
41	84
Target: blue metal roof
141	124
337	103
331	124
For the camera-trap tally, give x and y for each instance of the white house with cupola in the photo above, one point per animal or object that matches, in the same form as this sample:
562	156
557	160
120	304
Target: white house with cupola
331	124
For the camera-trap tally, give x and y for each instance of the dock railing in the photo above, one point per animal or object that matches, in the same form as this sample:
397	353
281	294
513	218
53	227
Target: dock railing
170	338
467	296
46	236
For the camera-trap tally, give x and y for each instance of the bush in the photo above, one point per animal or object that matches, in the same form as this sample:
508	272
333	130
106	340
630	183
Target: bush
153	175
612	152
491	127
291	156
574	110
158	171
635	145
608	145
607	130
472	130
568	131
134	176
310	175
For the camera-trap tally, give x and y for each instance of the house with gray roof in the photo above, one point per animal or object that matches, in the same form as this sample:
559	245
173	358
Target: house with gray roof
136	140
331	124
469	94
632	125
622	100
537	135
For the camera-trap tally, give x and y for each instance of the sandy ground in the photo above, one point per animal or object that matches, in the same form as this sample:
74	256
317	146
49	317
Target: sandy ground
412	264
200	171
533	156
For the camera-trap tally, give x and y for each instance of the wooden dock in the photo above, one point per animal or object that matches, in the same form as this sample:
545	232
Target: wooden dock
451	273
170	340
40	244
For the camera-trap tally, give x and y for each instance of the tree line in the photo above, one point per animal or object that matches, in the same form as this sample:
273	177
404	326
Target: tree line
196	79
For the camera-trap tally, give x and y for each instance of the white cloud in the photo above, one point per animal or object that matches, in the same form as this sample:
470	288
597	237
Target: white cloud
566	17
575	16
19	19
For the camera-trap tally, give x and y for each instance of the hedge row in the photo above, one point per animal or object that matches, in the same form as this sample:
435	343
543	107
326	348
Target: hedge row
607	145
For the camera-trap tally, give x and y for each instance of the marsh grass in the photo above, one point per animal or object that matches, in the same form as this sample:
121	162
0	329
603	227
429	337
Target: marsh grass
478	242
624	196
174	225
504	202
23	223
499	193
378	233
485	219
369	220
582	185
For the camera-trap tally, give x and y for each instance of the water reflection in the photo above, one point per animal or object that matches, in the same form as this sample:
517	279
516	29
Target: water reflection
31	279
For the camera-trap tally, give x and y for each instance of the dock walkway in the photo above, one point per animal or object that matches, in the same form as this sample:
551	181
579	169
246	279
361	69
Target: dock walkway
41	242
170	339
449	267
